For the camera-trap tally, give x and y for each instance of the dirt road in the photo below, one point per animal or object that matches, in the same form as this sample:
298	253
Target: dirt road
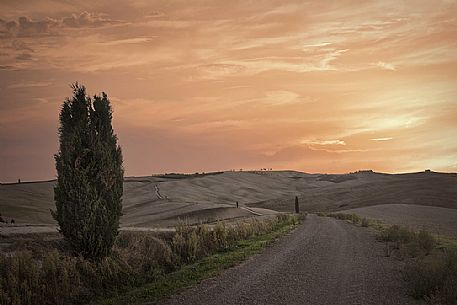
324	261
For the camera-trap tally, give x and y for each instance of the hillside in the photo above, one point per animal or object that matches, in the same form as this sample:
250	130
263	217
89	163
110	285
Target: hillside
162	200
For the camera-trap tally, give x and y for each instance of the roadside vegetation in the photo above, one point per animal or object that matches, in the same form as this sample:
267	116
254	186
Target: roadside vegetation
163	262
430	261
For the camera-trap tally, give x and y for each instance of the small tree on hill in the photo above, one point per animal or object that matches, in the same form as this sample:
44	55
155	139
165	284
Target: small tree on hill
88	193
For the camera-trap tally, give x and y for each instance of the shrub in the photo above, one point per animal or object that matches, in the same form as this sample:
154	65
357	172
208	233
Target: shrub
144	253
426	241
407	242
365	222
397	234
434	278
354	218
90	175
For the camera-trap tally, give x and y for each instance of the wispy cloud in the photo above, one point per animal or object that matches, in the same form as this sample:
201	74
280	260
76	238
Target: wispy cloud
323	142
29	85
27	27
386	66
382	139
137	40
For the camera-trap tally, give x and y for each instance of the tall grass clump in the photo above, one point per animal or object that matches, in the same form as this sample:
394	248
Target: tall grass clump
408	243
137	258
192	243
354	218
434	278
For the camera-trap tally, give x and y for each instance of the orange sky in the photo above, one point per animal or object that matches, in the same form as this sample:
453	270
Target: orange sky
317	86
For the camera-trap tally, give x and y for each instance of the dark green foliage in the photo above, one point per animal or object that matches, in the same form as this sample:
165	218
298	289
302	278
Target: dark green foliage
88	193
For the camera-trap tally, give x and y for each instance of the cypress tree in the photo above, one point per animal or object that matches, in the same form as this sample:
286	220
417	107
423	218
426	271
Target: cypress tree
88	193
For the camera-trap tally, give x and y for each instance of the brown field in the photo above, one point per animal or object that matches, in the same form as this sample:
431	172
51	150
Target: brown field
434	219
161	201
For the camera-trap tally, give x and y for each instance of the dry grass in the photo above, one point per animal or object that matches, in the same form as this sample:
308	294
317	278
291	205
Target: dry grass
434	278
56	277
430	265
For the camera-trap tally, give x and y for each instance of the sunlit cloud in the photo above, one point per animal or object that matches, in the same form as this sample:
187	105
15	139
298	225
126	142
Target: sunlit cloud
386	66
323	142
136	40
382	139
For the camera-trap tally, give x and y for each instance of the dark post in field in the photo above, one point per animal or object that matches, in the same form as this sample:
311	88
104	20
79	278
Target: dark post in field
297	207
237	204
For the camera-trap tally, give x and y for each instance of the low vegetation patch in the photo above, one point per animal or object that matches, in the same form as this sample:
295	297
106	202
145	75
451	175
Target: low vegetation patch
138	258
430	262
434	277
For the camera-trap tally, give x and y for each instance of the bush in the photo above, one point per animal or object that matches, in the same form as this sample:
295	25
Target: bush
354	218
408	243
89	175
434	278
426	241
397	234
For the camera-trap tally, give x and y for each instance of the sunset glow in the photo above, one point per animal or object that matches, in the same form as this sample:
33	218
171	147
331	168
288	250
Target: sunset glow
316	86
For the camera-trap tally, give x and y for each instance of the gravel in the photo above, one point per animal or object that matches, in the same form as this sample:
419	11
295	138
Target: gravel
323	261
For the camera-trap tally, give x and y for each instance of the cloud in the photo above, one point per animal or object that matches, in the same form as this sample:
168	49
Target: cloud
136	40
215	71
382	139
6	67
19	45
317	45
86	19
24	57
26	27
323	142
29	85
328	58
386	66
282	97
155	14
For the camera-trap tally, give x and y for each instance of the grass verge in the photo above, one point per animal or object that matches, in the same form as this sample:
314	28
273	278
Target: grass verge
430	260
207	267
36	271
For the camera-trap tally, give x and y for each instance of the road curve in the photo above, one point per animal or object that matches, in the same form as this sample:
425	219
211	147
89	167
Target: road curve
323	261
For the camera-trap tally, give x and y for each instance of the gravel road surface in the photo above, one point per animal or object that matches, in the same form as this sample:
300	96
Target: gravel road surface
323	261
